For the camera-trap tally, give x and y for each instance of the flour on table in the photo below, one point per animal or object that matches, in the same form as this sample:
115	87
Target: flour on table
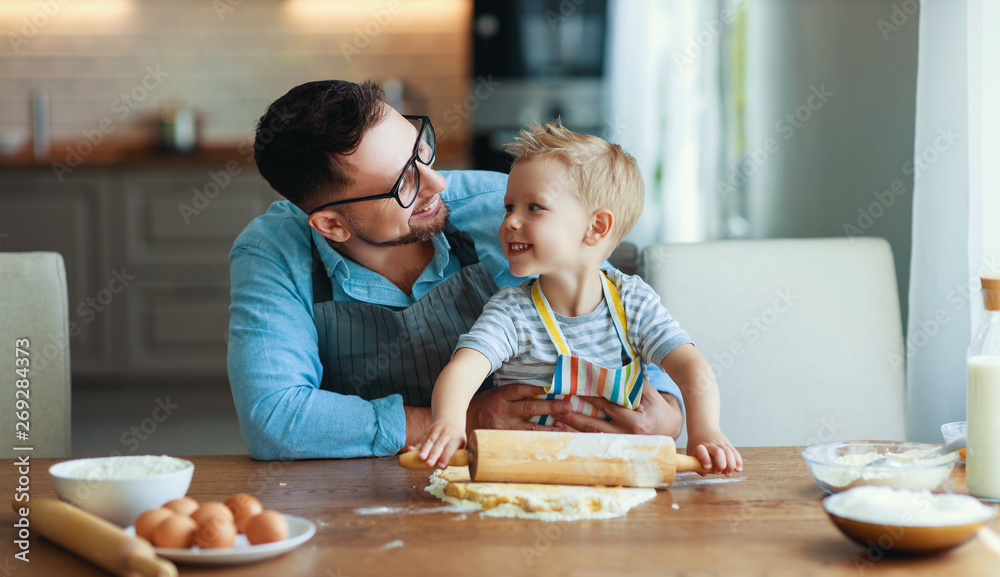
535	501
693	479
374	511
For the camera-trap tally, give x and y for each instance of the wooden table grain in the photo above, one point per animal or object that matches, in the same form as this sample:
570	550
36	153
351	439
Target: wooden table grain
374	518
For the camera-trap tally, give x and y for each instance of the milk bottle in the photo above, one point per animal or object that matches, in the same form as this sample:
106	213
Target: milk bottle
982	468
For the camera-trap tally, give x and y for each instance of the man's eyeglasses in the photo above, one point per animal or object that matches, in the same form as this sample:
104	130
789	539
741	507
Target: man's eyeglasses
408	184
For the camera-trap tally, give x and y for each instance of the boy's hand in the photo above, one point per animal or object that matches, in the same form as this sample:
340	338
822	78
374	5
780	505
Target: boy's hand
440	443
715	452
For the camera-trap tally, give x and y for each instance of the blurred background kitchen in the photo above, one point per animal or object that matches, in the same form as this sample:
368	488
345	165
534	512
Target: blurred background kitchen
125	126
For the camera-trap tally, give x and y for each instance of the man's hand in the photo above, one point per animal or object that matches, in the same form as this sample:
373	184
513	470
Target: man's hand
507	407
655	415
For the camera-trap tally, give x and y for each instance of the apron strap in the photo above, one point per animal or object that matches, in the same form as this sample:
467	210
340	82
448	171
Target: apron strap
462	246
542	304
617	313
322	285
615	306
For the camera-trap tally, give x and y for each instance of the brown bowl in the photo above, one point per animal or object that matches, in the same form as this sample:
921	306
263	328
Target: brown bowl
894	539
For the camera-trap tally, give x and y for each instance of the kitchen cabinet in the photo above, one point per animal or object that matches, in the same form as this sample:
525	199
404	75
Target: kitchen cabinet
71	219
176	234
146	251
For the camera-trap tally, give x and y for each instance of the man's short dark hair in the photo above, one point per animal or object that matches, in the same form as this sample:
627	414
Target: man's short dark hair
302	137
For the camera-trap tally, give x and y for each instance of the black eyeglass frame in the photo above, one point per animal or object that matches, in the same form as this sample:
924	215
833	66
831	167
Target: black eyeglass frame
425	123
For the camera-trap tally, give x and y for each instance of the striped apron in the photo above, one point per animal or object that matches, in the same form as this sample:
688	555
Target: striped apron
372	351
575	376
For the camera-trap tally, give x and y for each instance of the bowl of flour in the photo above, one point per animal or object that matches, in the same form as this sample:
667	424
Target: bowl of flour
841	465
119	488
906	521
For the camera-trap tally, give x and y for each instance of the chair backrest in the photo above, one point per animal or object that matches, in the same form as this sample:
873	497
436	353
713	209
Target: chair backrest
34	317
804	335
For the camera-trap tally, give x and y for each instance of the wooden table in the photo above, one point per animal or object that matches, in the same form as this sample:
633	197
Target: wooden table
768	521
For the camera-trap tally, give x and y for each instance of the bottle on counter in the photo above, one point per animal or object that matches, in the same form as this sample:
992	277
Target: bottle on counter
40	127
178	129
982	467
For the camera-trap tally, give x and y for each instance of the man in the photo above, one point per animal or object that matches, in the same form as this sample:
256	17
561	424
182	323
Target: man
348	298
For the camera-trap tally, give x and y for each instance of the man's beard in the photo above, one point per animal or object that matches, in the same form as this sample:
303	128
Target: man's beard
415	235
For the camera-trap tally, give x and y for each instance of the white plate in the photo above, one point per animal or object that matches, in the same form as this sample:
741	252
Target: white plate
299	531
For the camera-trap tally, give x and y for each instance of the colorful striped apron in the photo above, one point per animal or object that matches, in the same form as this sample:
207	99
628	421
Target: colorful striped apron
575	376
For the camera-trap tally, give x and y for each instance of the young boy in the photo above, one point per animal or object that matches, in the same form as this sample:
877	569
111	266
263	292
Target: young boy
576	330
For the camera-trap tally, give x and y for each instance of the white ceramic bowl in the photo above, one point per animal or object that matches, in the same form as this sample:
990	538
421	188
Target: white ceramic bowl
953	432
835	477
119	488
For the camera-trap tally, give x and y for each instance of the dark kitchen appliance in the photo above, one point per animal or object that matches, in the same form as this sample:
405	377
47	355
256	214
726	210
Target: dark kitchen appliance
534	60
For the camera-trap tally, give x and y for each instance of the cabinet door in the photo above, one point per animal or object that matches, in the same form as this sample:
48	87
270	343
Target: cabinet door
178	329
38	213
186	219
178	230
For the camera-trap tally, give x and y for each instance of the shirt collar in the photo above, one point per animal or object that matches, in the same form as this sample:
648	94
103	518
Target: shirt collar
442	256
334	261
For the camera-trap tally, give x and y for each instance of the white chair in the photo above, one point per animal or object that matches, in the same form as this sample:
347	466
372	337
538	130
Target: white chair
804	335
34	307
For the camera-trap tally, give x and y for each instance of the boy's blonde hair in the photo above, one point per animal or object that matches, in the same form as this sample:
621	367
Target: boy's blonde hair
606	176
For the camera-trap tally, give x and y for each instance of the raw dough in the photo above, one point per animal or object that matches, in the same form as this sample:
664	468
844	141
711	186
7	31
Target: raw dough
534	501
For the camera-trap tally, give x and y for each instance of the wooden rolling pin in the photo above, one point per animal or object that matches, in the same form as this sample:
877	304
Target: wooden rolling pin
568	458
96	540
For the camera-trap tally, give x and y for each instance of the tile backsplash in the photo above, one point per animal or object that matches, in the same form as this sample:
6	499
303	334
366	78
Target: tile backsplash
124	60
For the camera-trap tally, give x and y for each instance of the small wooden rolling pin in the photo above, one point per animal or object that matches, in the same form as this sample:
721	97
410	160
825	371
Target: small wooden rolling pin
568	458
96	540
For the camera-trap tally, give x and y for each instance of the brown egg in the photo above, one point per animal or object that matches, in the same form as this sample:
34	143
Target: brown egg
215	532
148	520
182	506
174	532
244	508
212	510
267	527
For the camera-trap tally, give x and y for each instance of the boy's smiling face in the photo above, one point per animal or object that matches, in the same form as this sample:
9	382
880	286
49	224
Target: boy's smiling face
545	221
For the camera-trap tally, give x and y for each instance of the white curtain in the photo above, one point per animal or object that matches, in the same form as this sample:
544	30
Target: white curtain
664	107
956	204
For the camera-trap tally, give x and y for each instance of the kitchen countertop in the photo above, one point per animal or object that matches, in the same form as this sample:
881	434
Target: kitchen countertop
373	518
135	155
450	155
